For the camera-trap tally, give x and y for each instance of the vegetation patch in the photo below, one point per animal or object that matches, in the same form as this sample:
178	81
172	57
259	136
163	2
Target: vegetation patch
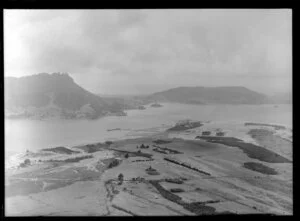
206	133
166	150
165	193
220	134
185	125
276	127
258	167
159	141
156	105
186	165
91	148
61	150
176	190
252	151
77	159
26	163
124	210
174	180
138	179
160	151
113	163
219	139
142	160
138	153
71	160
152	171
197	208
143	146
257	133
108	142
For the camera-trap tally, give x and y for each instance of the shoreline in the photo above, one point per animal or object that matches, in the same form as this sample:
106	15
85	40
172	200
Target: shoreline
167	132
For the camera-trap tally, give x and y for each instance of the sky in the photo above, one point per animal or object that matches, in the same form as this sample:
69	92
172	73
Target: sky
145	51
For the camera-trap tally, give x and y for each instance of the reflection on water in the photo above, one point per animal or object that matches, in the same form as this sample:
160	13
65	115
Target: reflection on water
34	134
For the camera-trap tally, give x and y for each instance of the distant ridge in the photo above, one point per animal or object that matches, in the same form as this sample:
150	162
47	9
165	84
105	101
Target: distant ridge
210	95
52	95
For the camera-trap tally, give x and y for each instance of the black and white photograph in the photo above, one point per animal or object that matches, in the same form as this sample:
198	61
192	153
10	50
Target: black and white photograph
148	112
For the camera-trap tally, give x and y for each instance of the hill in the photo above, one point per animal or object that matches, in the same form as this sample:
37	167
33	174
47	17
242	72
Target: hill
51	95
209	95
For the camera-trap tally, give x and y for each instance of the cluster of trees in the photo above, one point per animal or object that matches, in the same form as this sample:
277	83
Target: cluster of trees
143	146
113	163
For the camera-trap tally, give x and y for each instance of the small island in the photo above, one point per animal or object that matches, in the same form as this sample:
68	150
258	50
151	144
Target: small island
185	125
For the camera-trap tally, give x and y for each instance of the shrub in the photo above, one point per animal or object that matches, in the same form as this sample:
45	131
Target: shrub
120	178
27	162
162	141
176	190
220	134
150	169
77	159
108	143
178	181
113	163
206	133
153	172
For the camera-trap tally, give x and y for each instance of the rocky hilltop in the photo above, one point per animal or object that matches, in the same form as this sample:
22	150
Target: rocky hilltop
53	95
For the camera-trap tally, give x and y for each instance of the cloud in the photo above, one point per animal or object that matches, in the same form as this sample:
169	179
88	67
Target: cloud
102	49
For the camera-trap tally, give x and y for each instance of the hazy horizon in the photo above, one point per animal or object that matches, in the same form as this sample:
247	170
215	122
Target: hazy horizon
162	90
145	51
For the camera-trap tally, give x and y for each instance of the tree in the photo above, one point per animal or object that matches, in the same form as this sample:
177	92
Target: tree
120	178
113	163
27	162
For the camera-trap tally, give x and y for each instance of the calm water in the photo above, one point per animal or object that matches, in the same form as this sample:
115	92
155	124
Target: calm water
35	134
